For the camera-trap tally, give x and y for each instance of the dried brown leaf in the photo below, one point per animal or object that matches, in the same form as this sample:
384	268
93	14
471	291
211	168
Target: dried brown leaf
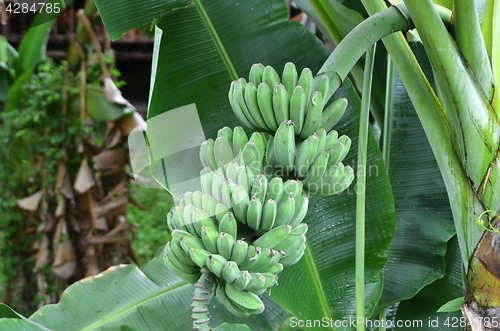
116	235
110	162
30	203
113	94
115	207
63	182
128	124
85	178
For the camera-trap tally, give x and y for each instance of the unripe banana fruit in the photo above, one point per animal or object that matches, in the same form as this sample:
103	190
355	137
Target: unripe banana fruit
266	101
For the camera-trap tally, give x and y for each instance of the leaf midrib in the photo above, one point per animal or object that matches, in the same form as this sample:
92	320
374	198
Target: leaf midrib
218	42
317	283
102	321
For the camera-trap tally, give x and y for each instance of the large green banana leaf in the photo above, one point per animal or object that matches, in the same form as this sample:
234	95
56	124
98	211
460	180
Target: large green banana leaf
423	307
200	48
424	222
126	298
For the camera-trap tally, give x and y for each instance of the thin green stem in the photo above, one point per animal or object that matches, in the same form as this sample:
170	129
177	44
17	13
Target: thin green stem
361	188
471	44
386	142
355	44
382	317
320	6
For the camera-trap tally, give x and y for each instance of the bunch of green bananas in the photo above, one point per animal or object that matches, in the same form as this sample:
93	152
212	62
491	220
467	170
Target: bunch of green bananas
315	161
243	236
266	101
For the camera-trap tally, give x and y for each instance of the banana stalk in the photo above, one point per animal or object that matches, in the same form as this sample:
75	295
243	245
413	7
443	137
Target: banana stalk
201	300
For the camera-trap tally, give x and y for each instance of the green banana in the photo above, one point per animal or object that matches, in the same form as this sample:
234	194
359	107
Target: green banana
189	269
295	257
187	217
243	298
179	253
316	171
291	244
240	202
298	104
231	171
301	228
178	234
270	76
257	283
241	107
242	280
252	157
229	304
281	104
245	177
188	198
188	242
191	277
269	211
204	219
206	179
251	257
239	140
275	189
285	212
254	105
339	150
256	72
254	213
199	256
225	245
324	85
216	263
209	238
273	237
223	152
284	146
230	271
265	103
289	77
259	187
265	259
333	113
239	252
300	212
217	183
292	188
235	105
313	115
260	142
306	152
220	210
228	225
226	132
321	134
270	157
197	199
206	154
208	203
275	268
331	138
306	81
225	192
182	203
345	180
271	279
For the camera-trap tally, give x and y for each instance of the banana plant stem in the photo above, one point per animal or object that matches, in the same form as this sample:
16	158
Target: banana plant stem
471	44
386	140
361	189
355	44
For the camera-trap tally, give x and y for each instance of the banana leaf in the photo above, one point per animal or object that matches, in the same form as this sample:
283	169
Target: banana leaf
423	307
424	222
124	297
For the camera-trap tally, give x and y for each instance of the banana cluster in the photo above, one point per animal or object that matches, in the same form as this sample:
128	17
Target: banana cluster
315	161
244	232
266	101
